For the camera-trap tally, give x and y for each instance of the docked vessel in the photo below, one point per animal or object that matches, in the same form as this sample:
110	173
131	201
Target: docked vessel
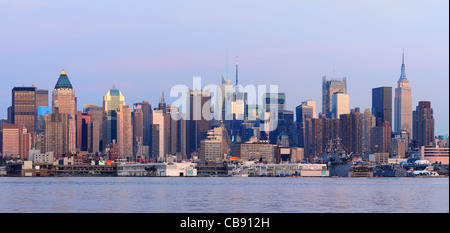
361	170
392	170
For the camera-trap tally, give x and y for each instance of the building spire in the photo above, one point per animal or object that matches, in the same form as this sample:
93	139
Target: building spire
237	81
403	72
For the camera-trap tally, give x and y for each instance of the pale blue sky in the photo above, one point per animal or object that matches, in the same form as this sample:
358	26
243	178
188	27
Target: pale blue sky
144	47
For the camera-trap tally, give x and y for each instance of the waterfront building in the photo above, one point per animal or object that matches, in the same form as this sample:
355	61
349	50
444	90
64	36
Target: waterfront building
216	146
254	151
23	109
63	99
57	133
37	157
16	141
382	104
435	154
124	132
297	154
403	103
423	124
329	87
340	104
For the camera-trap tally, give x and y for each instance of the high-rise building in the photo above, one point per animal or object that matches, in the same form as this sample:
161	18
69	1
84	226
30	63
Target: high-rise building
96	115
403	104
147	120
111	105
381	136
16	141
160	134
200	116
367	125
274	100
57	133
329	87
285	125
306	109
137	118
382	104
215	146
340	104
63	98
23	111
423	124
124	132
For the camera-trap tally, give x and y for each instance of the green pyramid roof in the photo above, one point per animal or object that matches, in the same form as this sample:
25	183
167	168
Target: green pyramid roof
63	81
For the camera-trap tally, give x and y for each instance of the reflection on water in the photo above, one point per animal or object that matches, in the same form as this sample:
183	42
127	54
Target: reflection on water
223	195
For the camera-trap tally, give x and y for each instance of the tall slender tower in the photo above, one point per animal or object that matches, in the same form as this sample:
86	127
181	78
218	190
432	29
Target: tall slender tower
403	103
63	98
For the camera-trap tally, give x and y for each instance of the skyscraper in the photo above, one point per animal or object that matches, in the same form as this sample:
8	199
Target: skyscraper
111	105
57	138
329	87
272	100
382	104
423	127
367	125
199	118
124	132
24	107
403	103
306	109
340	104
63	98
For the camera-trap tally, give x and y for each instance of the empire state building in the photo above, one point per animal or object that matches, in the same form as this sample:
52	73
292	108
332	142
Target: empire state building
403	103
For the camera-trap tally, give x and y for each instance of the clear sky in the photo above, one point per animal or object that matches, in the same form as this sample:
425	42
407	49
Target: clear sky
145	47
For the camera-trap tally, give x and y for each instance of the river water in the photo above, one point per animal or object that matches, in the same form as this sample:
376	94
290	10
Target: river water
223	195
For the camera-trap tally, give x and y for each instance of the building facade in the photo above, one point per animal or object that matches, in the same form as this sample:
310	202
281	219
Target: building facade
63	99
403	104
382	104
340	104
329	87
423	128
124	132
24	107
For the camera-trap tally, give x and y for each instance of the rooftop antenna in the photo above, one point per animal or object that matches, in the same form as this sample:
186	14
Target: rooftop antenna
227	63
237	88
334	68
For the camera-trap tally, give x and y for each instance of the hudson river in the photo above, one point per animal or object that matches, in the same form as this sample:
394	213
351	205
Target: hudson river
223	195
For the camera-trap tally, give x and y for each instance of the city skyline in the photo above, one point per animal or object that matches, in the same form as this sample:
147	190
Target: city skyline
111	50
